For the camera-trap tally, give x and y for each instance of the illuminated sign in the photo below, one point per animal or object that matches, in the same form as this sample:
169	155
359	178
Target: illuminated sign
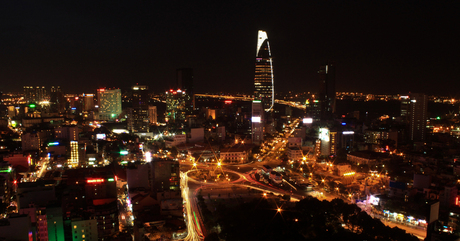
124	152
256	101
101	90
111	179
53	143
119	131
307	120
148	157
6	170
95	180
255	119
92	158
100	136
228	102
324	134
32	105
348	133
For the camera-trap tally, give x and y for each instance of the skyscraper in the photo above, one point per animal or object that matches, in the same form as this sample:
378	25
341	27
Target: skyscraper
185	84
34	94
140	118
176	106
109	103
417	116
327	90
263	79
57	100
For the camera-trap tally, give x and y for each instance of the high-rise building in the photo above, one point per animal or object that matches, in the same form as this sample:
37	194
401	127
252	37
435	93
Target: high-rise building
153	116
109	103
417	116
74	160
327	90
263	79
34	94
257	127
88	102
140	118
84	230
30	141
185	83
57	100
176	106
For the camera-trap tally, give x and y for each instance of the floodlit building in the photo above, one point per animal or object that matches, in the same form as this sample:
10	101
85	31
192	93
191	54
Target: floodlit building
153	115
263	79
109	103
74	161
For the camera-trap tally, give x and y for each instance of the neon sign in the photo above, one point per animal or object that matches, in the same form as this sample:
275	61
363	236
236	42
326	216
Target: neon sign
95	180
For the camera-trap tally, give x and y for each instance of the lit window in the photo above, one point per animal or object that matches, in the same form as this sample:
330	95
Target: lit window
75	226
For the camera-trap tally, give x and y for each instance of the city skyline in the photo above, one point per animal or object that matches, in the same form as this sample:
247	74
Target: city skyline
389	47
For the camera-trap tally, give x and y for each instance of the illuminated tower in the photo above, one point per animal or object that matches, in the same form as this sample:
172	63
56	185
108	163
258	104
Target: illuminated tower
257	127
140	118
417	116
327	91
74	161
263	79
176	106
109	103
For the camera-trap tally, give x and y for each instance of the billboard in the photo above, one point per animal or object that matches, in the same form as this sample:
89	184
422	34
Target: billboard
307	120
256	119
100	136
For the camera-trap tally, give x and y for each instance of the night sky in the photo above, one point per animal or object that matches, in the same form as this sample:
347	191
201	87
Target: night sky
378	46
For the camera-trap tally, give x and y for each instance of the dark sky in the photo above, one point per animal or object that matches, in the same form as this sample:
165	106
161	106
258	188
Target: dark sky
378	46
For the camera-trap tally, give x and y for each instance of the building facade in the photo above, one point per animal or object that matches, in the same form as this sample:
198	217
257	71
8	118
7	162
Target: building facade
109	103
418	116
140	117
263	79
327	91
257	124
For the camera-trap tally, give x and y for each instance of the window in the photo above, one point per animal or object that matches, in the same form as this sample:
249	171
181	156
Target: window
75	226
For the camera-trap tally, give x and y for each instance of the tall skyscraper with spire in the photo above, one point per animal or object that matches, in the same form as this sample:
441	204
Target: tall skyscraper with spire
327	91
263	79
